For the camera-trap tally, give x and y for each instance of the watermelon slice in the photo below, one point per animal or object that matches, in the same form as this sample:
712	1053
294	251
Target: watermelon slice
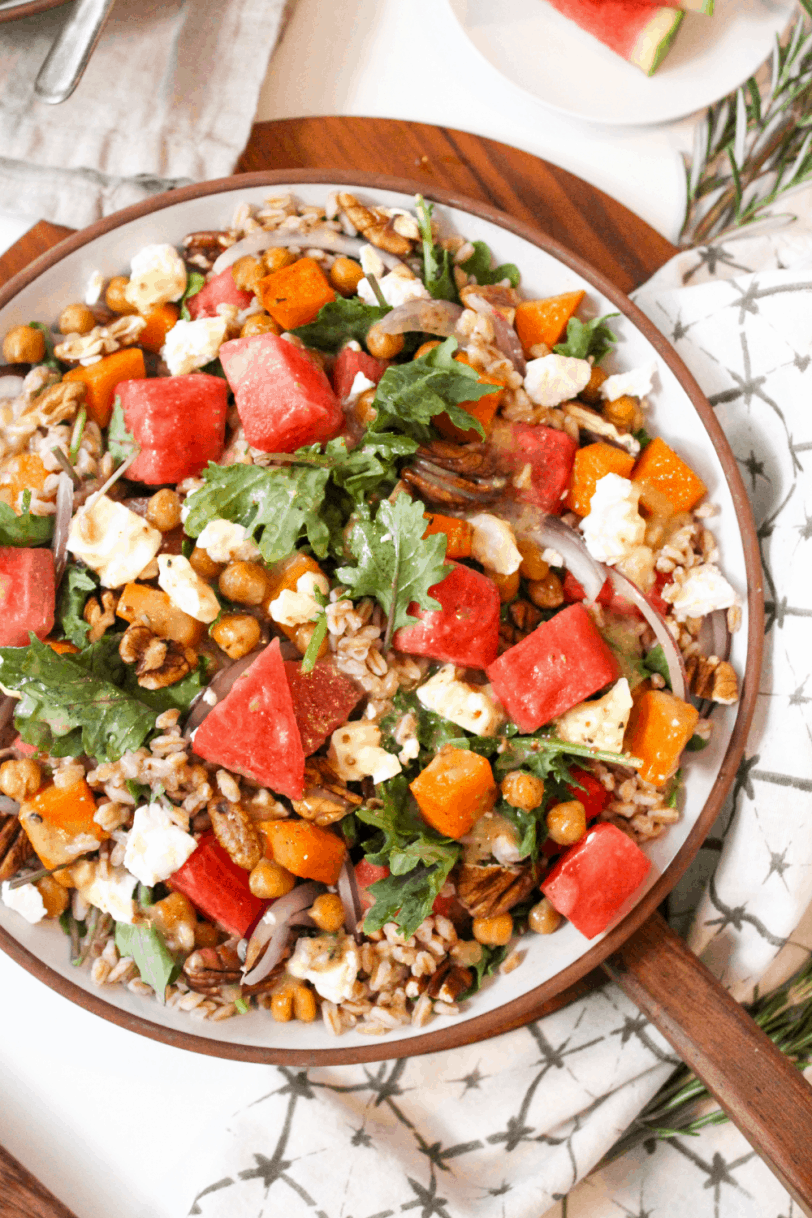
641	33
349	363
253	731
689	6
179	421
221	289
322	700
27	594
464	630
541	458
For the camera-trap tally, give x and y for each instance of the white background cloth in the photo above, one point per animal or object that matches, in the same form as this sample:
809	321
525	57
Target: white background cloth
113	1123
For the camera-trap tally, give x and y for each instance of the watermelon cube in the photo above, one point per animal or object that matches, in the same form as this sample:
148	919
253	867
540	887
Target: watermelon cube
322	700
218	887
253	731
562	662
27	594
284	400
464	630
349	363
594	879
179	421
541	458
221	289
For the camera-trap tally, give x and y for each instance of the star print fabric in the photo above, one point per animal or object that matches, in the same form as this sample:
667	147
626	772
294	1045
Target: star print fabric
510	1128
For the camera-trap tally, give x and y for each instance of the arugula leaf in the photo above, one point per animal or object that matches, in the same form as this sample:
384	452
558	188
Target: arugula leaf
547	756
655	661
120	440
438	264
487	964
194	282
585	338
180	695
156	964
696	744
407	900
277	506
372	465
49	359
77	584
642	437
25	529
433	731
410	395
66	710
479	265
531	827
338	322
396	564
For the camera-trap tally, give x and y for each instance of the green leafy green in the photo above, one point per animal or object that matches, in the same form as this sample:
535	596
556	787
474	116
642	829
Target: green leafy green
479	265
588	338
410	395
407	899
547	756
277	506
143	944
642	437
120	440
530	826
194	282
433	731
25	529
487	964
77	584
696	744
338	322
372	465
49	359
654	661
438	264
178	696
395	563
241	1006
66	710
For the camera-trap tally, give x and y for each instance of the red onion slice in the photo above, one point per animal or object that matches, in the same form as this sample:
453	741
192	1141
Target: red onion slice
505	337
672	653
432	316
284	238
548	532
350	898
267	943
62	519
714	636
219	686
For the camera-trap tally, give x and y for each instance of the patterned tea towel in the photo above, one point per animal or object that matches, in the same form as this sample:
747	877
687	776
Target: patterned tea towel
509	1127
168	97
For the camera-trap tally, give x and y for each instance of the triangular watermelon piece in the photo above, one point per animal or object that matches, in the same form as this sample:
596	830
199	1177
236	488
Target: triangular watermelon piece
253	731
640	33
689	6
322	700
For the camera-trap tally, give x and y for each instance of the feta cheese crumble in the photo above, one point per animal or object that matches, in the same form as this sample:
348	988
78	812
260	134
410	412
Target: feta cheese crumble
329	962
25	900
190	345
359	385
470	707
396	288
554	379
614	525
355	753
698	591
636	383
110	889
295	608
185	589
227	542
600	724
155	845
494	544
113	541
157	275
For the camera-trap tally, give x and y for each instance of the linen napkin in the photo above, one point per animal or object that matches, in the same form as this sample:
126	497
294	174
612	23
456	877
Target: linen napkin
168	97
510	1126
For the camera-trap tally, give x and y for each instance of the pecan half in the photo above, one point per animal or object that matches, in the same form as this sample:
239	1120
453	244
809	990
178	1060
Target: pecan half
204	248
491	890
100	617
712	678
447	983
326	798
158	662
236	834
14	847
209	968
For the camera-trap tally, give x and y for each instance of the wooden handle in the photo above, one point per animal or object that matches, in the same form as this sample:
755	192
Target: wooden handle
761	1091
25	1197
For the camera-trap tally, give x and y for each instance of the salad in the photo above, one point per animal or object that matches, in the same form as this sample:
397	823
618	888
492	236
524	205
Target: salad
352	624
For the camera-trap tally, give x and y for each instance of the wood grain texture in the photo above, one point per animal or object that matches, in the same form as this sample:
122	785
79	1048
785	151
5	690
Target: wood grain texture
761	1090
22	1195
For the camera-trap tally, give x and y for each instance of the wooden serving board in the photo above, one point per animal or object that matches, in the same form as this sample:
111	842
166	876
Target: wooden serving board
595	227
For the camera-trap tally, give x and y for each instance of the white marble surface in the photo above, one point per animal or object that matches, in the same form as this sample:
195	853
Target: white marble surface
104	1118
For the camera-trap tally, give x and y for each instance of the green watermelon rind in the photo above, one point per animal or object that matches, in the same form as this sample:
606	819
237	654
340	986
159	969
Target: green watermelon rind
655	39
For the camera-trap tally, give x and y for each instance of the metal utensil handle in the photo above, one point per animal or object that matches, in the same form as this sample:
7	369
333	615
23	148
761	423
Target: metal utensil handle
68	57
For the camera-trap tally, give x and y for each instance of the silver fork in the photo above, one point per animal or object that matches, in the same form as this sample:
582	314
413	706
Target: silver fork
68	57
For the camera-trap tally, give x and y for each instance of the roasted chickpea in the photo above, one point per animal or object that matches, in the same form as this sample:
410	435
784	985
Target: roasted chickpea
591	393
345	274
546	593
20	779
259	323
621	412
363	410
163	510
269	880
247	272
236	634
382	345
508	585
566	823
533	565
304	1004
424	348
244	582
302	636
466	952
327	911
24	345
543	919
493	932
275	259
55	897
76	319
282	1006
114	297
522	790
204	566
176	919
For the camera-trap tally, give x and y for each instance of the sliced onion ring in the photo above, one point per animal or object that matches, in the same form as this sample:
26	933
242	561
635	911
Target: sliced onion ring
62	519
672	653
505	337
267	943
431	316
350	898
282	238
548	532
219	685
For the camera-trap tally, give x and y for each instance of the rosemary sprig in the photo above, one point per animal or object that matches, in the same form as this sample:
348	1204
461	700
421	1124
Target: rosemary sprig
755	145
680	1108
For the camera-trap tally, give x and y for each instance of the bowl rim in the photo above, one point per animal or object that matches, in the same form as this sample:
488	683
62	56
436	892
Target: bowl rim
528	1006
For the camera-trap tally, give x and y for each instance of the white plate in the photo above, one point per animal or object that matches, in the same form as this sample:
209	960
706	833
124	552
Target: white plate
672	414
548	56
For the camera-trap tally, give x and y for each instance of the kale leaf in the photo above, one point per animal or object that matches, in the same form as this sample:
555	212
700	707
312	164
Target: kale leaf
410	395
194	282
25	529
438	264
395	563
588	338
338	322
479	265
143	944
66	710
120	440
77	584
